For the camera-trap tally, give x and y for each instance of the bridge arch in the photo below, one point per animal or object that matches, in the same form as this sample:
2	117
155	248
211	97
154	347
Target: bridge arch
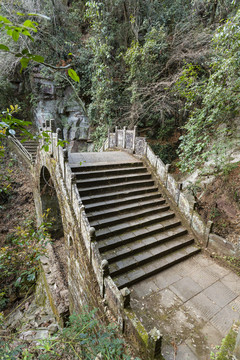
50	203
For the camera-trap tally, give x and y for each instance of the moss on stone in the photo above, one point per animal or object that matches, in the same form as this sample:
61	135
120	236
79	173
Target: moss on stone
137	325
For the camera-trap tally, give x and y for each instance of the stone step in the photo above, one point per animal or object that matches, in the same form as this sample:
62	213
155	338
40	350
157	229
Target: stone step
118	210
129	237
115	188
141	258
111	204
134	225
113	172
95	167
96	199
155	266
123	218
97	182
121	251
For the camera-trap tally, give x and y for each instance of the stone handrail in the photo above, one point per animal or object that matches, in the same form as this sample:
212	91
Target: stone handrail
21	148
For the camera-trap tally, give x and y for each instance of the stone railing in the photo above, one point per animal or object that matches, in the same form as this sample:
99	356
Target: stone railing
128	140
20	147
117	300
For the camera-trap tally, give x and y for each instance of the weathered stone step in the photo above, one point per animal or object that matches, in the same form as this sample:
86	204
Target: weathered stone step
91	182
113	172
116	187
137	260
95	199
148	242
112	204
30	147
126	208
130	237
95	167
134	225
154	267
119	219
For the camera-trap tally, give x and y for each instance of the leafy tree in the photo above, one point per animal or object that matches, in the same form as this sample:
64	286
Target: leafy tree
213	98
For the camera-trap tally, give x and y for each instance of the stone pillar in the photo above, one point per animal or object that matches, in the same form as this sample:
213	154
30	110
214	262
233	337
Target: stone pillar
180	186
126	296
92	233
154	343
166	173
124	137
116	136
134	137
108	139
73	182
58	132
193	208
105	272
208	230
65	156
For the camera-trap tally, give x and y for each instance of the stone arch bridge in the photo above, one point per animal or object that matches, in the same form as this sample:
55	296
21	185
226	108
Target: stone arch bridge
123	218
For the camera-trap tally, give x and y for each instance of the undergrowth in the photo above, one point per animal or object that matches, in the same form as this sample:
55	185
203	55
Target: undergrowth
19	259
85	338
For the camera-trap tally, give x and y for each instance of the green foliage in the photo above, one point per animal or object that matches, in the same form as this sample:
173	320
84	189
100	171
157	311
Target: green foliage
166	130
9	124
84	338
226	348
14	31
166	152
19	258
215	100
5	186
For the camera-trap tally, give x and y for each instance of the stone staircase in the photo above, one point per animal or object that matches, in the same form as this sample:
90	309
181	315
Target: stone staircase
31	147
136	229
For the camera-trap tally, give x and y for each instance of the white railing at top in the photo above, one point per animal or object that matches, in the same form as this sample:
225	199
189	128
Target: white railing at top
21	148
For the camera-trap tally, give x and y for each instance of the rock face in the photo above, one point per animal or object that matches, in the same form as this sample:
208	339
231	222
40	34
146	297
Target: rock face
57	101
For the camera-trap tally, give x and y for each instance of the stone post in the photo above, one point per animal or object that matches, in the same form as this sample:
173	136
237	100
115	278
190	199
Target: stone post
180	186
92	233
134	137
108	139
154	343
166	173
105	272
116	136
65	156
73	182
124	137
208	230
58	132
193	208
126	296
51	145
81	209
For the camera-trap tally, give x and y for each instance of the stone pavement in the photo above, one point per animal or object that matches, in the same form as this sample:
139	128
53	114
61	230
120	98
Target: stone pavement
106	157
193	304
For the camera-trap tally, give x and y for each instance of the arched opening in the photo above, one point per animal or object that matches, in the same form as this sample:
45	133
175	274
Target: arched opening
50	204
